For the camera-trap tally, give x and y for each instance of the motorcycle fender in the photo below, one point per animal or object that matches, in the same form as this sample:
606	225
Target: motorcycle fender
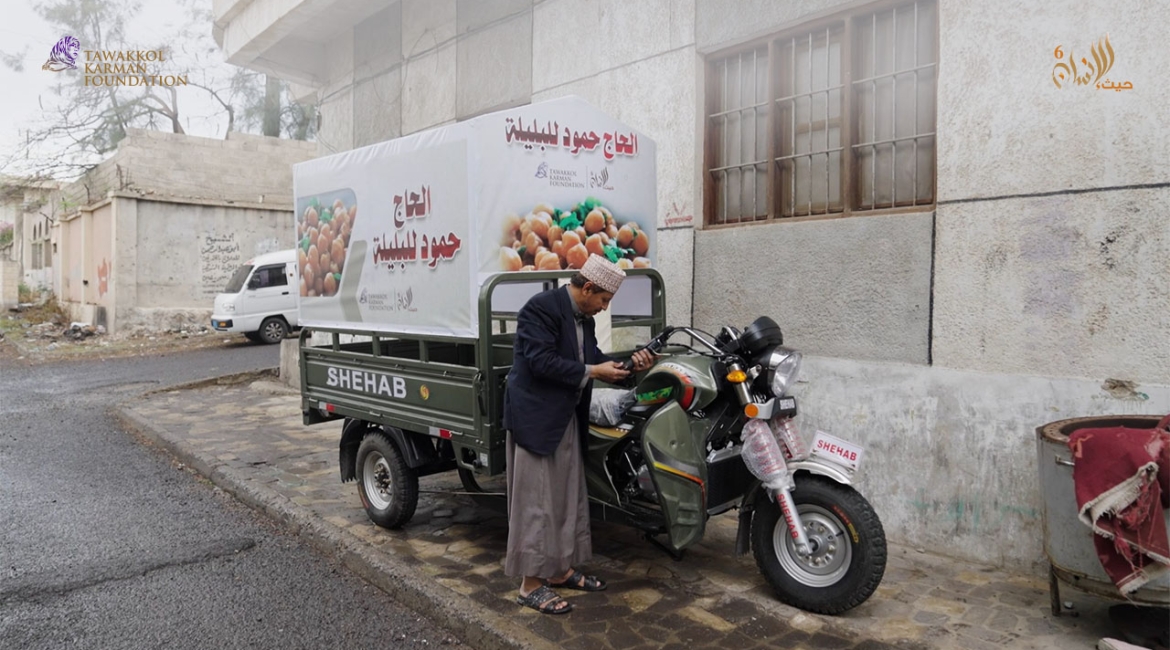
677	467
742	541
828	470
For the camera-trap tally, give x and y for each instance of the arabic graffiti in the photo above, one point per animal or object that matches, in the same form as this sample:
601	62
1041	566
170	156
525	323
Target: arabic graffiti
612	143
219	256
1103	58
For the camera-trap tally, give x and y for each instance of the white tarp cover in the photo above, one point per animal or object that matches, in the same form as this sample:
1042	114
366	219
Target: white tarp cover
399	235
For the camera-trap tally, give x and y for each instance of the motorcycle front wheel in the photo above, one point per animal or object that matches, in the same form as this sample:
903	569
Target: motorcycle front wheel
848	557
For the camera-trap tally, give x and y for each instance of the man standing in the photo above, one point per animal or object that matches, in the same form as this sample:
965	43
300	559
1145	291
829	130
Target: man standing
546	412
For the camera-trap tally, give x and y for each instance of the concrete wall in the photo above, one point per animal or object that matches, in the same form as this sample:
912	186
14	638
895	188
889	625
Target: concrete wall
243	168
185	255
171	217
951	459
1064	271
9	283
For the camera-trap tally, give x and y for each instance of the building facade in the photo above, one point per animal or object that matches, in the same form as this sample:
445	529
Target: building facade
29	259
146	239
962	228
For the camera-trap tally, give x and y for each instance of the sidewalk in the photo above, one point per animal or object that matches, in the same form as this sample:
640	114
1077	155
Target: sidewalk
246	436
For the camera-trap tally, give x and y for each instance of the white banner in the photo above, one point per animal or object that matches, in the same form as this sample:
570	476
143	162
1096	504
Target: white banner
398	236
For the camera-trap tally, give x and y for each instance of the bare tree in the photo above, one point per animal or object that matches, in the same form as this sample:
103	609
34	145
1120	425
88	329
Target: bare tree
81	122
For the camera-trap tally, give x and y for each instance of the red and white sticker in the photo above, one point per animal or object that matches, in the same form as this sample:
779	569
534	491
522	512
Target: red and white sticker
837	451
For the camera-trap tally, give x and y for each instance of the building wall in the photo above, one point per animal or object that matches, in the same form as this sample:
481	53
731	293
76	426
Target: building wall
1035	290
243	168
185	255
1064	270
166	220
23	204
99	261
9	283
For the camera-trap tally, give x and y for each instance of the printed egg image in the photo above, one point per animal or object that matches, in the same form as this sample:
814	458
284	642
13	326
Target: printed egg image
324	228
547	238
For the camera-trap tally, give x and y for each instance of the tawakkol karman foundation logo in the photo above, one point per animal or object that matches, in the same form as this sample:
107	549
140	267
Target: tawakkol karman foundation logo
112	67
64	55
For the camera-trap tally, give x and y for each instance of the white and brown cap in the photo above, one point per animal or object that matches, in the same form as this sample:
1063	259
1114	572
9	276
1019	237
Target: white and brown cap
603	273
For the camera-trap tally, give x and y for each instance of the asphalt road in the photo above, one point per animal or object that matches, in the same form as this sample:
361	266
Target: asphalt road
107	543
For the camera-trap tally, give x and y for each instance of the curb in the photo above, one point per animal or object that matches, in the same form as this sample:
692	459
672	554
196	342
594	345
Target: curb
223	380
477	626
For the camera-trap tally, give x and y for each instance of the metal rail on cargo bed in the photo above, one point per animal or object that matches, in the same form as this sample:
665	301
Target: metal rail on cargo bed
446	387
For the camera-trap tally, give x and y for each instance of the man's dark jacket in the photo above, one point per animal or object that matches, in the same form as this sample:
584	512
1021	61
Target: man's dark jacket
542	391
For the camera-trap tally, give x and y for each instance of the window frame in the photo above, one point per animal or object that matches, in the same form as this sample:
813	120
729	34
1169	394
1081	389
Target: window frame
844	19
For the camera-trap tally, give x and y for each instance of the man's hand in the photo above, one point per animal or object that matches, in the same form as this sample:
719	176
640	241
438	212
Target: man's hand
608	372
642	359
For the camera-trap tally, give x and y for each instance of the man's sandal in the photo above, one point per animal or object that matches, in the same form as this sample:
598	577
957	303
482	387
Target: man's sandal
580	582
545	601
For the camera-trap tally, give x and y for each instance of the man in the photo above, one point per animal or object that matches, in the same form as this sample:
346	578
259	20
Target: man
546	412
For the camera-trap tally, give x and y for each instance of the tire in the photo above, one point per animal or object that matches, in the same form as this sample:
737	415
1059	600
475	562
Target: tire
837	576
387	486
272	330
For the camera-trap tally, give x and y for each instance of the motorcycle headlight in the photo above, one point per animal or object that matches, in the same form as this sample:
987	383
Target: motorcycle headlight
783	366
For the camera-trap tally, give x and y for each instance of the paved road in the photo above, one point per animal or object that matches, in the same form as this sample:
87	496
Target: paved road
107	543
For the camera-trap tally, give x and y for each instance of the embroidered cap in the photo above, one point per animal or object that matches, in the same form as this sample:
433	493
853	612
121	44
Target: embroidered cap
603	273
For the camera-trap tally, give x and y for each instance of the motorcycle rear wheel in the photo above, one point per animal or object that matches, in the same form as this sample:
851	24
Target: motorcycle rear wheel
849	554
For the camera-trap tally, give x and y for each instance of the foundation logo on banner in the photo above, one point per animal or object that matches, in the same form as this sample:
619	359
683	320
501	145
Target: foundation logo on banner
63	55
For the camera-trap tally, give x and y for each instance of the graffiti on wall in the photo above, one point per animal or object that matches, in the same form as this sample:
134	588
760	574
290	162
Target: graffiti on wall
678	215
219	257
103	277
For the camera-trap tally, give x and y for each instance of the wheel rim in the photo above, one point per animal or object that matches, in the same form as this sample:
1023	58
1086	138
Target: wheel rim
377	481
273	331
832	550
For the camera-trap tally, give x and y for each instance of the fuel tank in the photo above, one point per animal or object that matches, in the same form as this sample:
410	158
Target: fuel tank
685	378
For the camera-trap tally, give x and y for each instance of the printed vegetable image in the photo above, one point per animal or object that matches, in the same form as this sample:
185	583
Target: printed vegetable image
323	235
548	239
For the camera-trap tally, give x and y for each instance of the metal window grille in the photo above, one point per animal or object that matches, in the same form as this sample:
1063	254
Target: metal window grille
843	110
740	124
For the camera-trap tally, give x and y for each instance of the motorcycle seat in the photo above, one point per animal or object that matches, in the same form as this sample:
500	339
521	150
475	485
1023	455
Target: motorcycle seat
608	432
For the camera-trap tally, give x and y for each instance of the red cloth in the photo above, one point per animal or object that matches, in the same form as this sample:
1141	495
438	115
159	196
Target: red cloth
1122	482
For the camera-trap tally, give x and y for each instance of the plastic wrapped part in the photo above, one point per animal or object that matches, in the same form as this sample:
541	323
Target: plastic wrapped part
609	405
787	433
763	456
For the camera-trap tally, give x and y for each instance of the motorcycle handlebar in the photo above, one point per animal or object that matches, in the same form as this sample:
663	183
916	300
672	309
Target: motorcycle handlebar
656	344
653	347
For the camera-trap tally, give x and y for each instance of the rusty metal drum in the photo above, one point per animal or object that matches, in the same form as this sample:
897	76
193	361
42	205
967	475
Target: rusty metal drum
1068	542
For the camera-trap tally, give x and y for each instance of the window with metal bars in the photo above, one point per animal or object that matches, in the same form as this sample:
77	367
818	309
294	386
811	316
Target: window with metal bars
836	117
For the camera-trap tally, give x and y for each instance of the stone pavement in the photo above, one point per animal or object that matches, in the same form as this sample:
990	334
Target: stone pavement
245	435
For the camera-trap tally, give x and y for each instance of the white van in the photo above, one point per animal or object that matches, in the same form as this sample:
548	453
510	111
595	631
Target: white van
260	299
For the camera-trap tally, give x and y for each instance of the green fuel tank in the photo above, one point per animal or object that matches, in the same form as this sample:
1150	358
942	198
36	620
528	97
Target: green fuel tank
685	378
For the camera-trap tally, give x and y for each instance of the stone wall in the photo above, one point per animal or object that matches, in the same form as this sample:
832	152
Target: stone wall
243	168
